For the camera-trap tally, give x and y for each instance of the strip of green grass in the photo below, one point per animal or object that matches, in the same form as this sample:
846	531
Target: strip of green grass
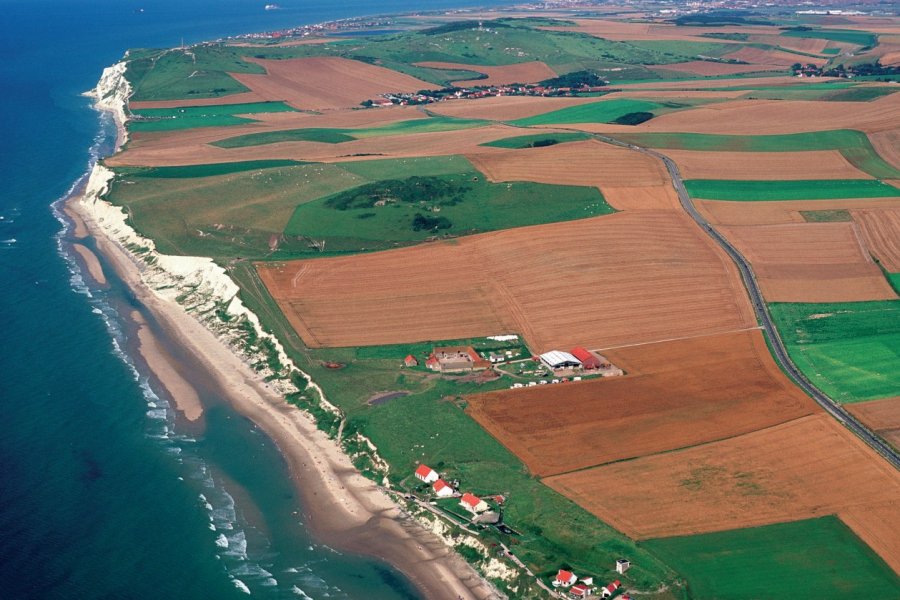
337	136
211	170
860	38
537	140
850	350
604	111
803	560
853	145
190	117
752	191
826	216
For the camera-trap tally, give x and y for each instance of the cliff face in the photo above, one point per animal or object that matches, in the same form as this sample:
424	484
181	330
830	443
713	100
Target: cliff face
112	93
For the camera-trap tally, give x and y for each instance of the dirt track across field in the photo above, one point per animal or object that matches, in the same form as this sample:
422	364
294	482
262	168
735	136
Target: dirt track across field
727	382
600	282
810	262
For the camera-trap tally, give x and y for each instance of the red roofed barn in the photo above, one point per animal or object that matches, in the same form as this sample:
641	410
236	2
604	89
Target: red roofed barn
426	474
587	358
564	578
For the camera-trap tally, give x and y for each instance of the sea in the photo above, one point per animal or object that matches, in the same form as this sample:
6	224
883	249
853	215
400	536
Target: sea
104	492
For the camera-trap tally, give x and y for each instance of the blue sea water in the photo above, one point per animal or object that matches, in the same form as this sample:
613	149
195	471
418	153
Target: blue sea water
103	494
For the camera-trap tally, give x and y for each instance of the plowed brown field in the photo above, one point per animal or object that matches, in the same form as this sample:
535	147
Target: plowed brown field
708	68
583	163
810	262
822	164
505	108
599	282
882	416
326	82
770	213
887	143
527	72
881	231
728	383
804	468
627	31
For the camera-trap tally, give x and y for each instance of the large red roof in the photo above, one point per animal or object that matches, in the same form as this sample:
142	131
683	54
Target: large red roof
440	484
423	470
588	360
564	576
471	499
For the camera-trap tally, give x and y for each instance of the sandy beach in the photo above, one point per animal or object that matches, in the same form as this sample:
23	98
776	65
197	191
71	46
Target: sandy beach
343	508
91	263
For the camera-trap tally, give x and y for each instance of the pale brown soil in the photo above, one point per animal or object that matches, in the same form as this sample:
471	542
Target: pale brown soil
773	57
717	83
326	82
882	416
770	213
589	163
527	72
805	468
626	271
505	108
877	523
625	31
727	382
810	262
688	94
809	45
710	68
822	164
880	229
887	144
641	198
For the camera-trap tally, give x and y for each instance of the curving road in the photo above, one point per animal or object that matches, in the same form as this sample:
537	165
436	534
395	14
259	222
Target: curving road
762	312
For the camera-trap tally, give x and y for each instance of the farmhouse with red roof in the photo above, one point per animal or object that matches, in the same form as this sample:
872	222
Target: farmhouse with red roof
610	589
442	489
589	360
427	474
564	578
410	361
473	503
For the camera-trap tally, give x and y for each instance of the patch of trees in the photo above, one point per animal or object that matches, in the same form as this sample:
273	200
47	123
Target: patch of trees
575	79
425	223
721	17
435	191
634	118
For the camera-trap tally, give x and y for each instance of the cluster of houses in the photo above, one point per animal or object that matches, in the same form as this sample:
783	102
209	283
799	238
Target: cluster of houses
578	359
583	587
469	93
442	489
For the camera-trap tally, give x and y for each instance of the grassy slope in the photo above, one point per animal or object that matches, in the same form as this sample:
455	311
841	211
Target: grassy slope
211	170
860	38
810	559
430	426
336	136
541	139
854	145
850	350
604	111
723	189
189	117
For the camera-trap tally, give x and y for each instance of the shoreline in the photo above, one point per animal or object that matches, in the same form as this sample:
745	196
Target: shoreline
341	507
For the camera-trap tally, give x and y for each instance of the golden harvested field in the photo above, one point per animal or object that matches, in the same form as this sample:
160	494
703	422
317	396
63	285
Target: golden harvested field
718	83
727	382
887	144
505	108
880	229
882	416
599	282
626	31
709	68
877	523
326	82
810	262
808	467
821	164
589	162
527	72
772	57
770	213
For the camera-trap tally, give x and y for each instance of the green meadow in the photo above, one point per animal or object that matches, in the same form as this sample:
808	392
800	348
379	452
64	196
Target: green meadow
803	560
337	136
848	36
604	111
850	350
537	140
210	170
189	117
753	191
853	145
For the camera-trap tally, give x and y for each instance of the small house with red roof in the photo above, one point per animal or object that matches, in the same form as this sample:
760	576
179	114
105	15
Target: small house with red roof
589	360
564	578
427	474
473	503
442	489
609	589
410	361
580	590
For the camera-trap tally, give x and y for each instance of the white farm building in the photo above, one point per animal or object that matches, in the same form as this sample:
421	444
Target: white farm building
556	359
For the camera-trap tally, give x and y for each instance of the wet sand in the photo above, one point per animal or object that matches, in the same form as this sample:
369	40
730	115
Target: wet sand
91	262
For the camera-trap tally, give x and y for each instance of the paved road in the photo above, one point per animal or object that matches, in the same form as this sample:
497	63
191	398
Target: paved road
762	313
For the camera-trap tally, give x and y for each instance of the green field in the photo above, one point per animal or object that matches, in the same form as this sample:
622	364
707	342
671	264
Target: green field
802	560
537	140
849	36
416	207
189	117
604	111
337	136
826	216
894	279
850	350
211	170
813	189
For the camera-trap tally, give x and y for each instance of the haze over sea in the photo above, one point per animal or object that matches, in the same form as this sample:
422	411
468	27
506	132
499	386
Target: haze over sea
102	493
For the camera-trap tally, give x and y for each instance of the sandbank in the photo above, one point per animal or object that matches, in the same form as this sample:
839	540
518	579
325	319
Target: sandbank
91	262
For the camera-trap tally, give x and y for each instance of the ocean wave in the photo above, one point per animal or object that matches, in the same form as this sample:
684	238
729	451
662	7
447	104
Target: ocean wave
296	590
241	586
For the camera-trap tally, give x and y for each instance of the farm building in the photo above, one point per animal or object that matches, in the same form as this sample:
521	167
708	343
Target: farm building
587	358
556	359
564	578
473	503
410	361
608	590
580	590
456	359
442	489
622	565
427	474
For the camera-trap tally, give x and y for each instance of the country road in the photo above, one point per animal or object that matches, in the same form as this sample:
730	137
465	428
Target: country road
762	312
